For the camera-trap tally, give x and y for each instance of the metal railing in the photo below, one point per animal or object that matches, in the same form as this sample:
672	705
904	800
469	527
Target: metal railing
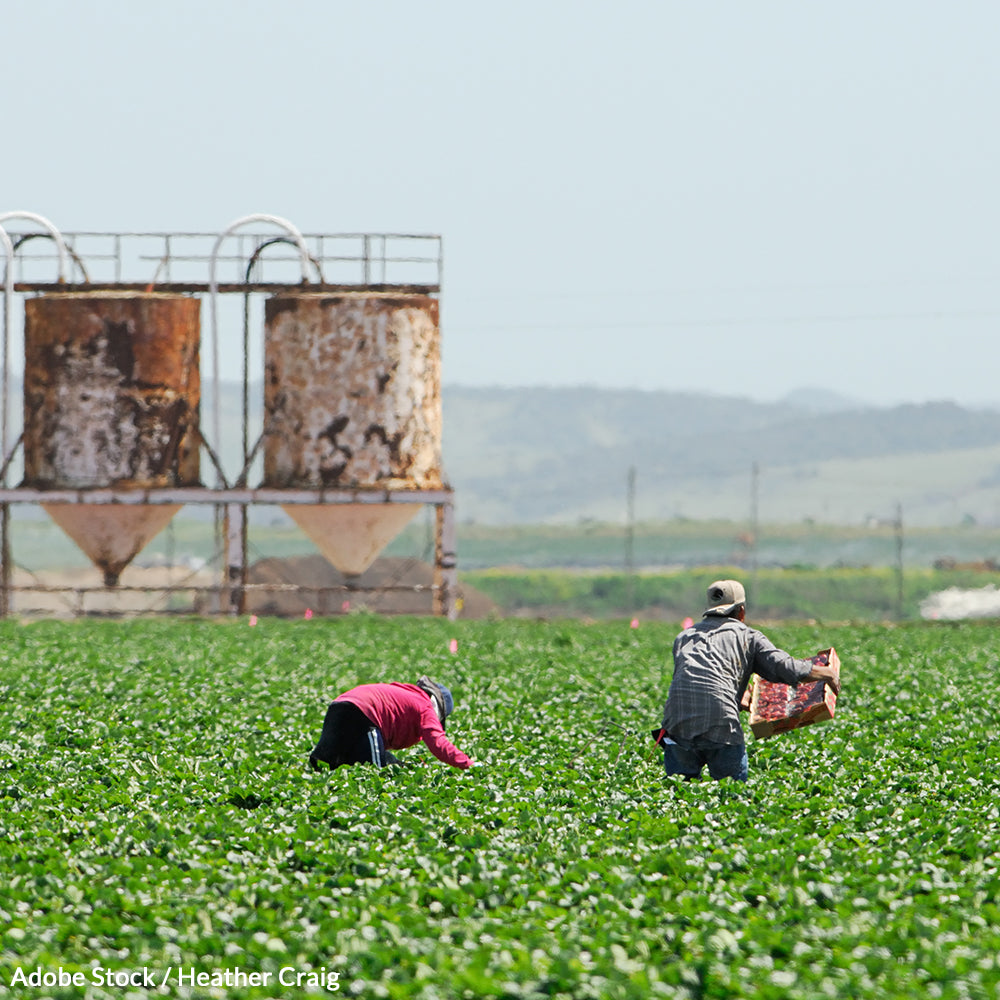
182	259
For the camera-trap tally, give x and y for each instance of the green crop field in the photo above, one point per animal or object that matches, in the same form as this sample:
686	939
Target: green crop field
161	834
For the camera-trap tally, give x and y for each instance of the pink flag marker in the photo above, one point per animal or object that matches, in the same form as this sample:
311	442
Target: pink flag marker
687	623
309	613
634	623
345	607
253	619
453	645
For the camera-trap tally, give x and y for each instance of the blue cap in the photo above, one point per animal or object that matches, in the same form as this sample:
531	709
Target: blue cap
449	702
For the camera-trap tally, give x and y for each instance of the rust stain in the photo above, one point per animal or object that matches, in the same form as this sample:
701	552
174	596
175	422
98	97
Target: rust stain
111	390
275	306
352	391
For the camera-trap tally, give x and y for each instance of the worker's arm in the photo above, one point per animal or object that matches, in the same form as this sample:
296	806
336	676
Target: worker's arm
433	735
824	672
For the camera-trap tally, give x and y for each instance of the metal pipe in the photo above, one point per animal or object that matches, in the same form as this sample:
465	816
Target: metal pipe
213	286
251	264
8	458
8	297
56	236
208	495
21	240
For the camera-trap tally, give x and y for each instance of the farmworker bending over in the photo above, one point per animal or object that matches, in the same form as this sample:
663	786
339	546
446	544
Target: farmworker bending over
713	661
364	724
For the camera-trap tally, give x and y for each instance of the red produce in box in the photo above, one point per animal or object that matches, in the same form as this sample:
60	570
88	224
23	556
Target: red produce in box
776	708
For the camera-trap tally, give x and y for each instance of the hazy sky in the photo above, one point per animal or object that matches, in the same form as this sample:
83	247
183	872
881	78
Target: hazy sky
746	197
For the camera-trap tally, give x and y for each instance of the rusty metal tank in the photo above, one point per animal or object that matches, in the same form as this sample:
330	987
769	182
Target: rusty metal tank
111	399
352	400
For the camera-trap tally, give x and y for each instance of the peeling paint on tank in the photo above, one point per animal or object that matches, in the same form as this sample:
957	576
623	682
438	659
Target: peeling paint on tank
112	391
352	399
352	363
111	398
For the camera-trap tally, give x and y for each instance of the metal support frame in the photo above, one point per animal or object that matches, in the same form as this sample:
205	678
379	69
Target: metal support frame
235	525
233	505
168	253
445	562
5	560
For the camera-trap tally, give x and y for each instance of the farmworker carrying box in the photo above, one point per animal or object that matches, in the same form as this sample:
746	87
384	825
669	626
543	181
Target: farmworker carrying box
713	662
777	708
365	724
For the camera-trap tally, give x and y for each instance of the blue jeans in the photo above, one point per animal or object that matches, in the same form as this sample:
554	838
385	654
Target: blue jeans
723	760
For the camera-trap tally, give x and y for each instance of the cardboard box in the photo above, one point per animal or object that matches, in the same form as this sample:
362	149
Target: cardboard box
777	708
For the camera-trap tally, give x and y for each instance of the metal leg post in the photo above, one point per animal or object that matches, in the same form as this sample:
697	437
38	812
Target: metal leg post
5	567
236	547
445	561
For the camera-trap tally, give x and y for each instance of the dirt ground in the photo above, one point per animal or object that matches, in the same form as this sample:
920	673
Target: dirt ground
141	590
276	587
390	586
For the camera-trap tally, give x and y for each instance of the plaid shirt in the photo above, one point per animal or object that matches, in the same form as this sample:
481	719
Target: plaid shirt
713	661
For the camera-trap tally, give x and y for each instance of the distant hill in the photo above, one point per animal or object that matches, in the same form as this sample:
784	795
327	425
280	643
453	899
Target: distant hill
559	455
563	455
821	400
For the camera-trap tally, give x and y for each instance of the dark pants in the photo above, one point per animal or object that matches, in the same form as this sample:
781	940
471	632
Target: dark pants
723	760
349	737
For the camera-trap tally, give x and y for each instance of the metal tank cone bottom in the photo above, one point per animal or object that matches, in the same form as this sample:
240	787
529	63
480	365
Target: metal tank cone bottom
111	536
351	535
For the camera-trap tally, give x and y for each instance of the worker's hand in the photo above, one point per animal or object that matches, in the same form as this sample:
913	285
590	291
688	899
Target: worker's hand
828	674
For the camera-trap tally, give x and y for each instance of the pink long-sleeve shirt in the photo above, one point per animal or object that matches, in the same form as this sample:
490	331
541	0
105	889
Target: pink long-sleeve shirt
404	714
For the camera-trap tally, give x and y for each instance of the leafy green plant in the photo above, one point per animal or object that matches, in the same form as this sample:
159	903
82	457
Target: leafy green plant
157	812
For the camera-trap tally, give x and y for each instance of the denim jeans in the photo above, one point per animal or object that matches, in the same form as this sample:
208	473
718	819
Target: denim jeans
722	759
